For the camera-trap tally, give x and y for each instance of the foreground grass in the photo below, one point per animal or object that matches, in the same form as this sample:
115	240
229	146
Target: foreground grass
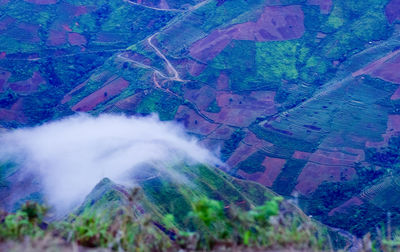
210	226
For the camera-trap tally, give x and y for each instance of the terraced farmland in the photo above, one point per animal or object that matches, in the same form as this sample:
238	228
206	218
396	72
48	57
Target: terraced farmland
296	95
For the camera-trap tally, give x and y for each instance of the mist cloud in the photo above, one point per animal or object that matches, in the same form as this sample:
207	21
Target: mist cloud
72	155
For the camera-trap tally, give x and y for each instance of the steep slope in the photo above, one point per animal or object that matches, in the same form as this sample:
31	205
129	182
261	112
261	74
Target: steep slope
294	93
49	47
113	217
161	195
164	194
297	94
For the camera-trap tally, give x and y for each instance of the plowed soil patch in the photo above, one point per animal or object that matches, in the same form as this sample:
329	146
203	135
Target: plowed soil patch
273	167
324	5
42	1
392	11
193	122
103	94
238	110
29	85
275	23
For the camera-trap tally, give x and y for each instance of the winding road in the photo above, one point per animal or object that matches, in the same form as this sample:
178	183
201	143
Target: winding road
170	67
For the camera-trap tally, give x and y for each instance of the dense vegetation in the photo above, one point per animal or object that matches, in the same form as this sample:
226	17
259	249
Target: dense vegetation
208	226
376	179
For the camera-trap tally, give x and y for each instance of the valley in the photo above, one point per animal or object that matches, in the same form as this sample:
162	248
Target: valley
300	96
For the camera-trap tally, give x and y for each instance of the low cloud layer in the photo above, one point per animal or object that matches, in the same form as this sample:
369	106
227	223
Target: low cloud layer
72	155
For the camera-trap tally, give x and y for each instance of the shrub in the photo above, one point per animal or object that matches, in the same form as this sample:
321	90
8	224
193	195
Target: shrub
209	226
25	222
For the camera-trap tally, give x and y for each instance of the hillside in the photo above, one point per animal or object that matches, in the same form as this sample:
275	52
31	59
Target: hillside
48	47
301	96
162	198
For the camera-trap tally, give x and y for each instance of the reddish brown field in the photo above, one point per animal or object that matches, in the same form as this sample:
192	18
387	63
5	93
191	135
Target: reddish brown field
11	115
273	167
384	68
29	32
76	39
389	70
249	145
194	68
201	97
29	85
223	82
393	128
338	157
6	22
301	155
393	124
241	153
129	104
240	110
4	75
68	96
328	165
252	139
162	4
105	93
275	23
393	11
324	5
224	133
66	27
14	114
314	174
23	87
42	1
78	10
193	122
396	95
355	201
207	48
57	38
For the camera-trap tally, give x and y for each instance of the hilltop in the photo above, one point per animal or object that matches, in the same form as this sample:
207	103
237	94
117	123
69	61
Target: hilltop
163	212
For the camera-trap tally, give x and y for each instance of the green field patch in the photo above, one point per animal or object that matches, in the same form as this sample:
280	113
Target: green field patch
253	163
277	60
287	179
282	140
219	15
354	25
11	45
231	144
159	102
30	13
76	69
